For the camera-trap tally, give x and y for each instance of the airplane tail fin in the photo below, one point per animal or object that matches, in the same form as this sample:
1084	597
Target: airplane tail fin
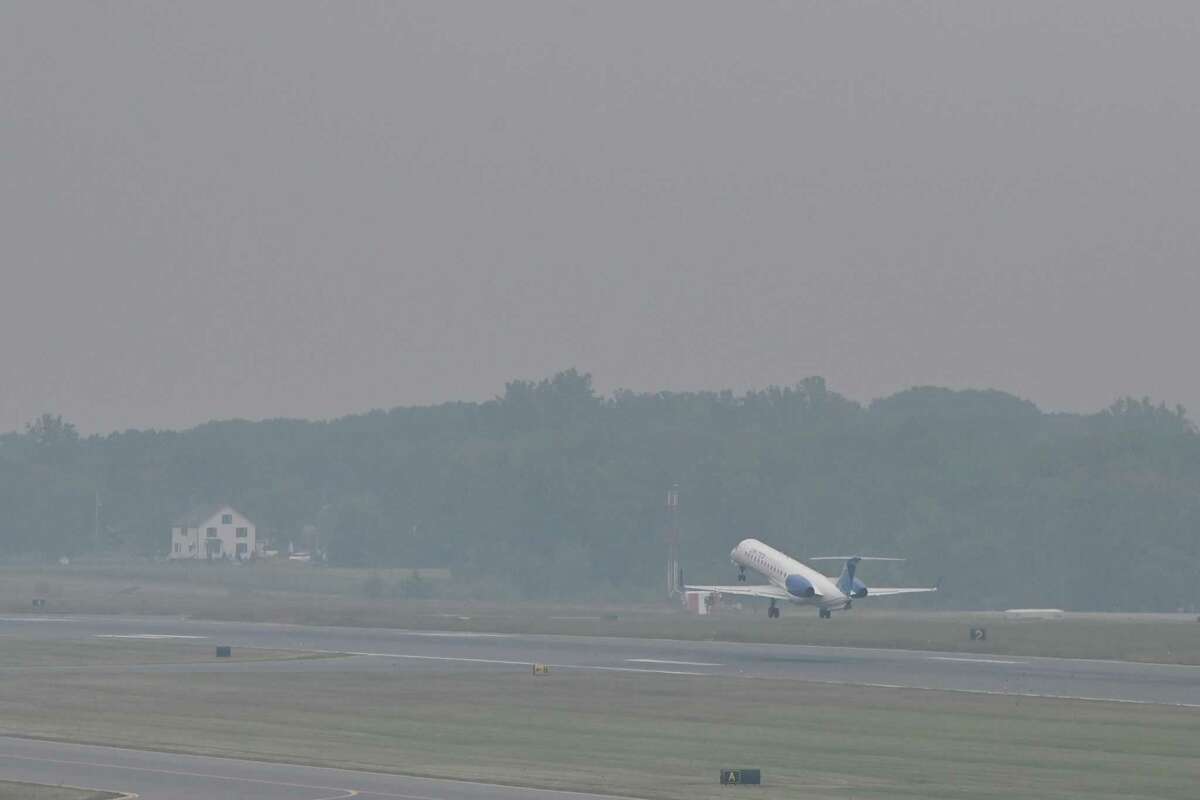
845	581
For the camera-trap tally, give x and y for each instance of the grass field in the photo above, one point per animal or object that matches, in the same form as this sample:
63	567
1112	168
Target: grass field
641	735
10	790
17	653
307	595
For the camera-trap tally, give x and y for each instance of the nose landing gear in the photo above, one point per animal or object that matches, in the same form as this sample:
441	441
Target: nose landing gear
741	574
824	613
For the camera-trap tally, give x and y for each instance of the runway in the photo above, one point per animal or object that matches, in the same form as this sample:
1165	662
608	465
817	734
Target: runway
171	776
373	648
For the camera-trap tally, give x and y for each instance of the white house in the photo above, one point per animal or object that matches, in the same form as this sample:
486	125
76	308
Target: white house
214	532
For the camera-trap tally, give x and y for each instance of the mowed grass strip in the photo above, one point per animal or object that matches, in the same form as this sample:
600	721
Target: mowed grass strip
642	735
18	653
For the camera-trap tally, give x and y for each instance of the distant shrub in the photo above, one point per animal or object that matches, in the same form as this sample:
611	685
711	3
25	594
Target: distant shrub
414	587
373	586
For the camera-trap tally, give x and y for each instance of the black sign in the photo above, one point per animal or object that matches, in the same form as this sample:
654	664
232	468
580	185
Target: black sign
741	777
978	634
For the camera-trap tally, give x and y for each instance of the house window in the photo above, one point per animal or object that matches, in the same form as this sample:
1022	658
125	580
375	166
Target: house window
241	549
241	533
227	519
212	531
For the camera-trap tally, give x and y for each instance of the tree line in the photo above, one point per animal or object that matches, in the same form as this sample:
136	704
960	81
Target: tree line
550	490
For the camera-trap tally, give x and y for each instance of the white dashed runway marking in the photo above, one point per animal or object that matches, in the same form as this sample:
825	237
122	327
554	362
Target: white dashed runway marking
146	636
975	660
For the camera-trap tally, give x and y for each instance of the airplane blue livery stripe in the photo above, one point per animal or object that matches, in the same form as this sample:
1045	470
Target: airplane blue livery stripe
799	586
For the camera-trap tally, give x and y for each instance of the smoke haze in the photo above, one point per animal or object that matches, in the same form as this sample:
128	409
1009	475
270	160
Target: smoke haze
296	209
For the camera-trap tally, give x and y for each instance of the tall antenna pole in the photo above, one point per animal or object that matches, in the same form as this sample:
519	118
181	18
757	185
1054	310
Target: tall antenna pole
672	537
96	524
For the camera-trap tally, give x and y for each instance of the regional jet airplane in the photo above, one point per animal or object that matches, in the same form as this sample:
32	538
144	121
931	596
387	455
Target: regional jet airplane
793	582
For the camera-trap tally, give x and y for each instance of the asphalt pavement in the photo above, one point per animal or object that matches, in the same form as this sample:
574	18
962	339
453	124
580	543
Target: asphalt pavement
376	648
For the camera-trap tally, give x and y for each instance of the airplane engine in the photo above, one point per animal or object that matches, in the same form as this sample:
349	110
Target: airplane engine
799	586
858	589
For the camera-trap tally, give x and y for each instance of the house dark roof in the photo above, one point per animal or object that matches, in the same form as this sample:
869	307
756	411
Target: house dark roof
201	514
197	516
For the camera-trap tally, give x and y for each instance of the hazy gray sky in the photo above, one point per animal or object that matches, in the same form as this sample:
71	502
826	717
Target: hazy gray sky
297	209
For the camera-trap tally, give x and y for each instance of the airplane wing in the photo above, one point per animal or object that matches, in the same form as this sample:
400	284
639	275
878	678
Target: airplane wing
766	591
880	591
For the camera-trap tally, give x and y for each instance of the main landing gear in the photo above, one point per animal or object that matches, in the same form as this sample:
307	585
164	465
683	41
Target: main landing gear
825	613
773	611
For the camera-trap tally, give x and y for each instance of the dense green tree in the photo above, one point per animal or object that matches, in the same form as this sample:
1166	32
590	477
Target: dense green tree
552	491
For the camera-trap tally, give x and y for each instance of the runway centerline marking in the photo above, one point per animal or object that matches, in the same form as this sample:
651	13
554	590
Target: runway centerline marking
499	661
146	636
673	663
37	619
456	634
630	669
507	663
974	660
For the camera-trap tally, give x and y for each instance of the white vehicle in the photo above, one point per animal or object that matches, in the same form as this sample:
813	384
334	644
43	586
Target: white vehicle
796	583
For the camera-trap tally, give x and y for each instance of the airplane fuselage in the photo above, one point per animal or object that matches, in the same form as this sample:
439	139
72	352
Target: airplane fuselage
804	585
